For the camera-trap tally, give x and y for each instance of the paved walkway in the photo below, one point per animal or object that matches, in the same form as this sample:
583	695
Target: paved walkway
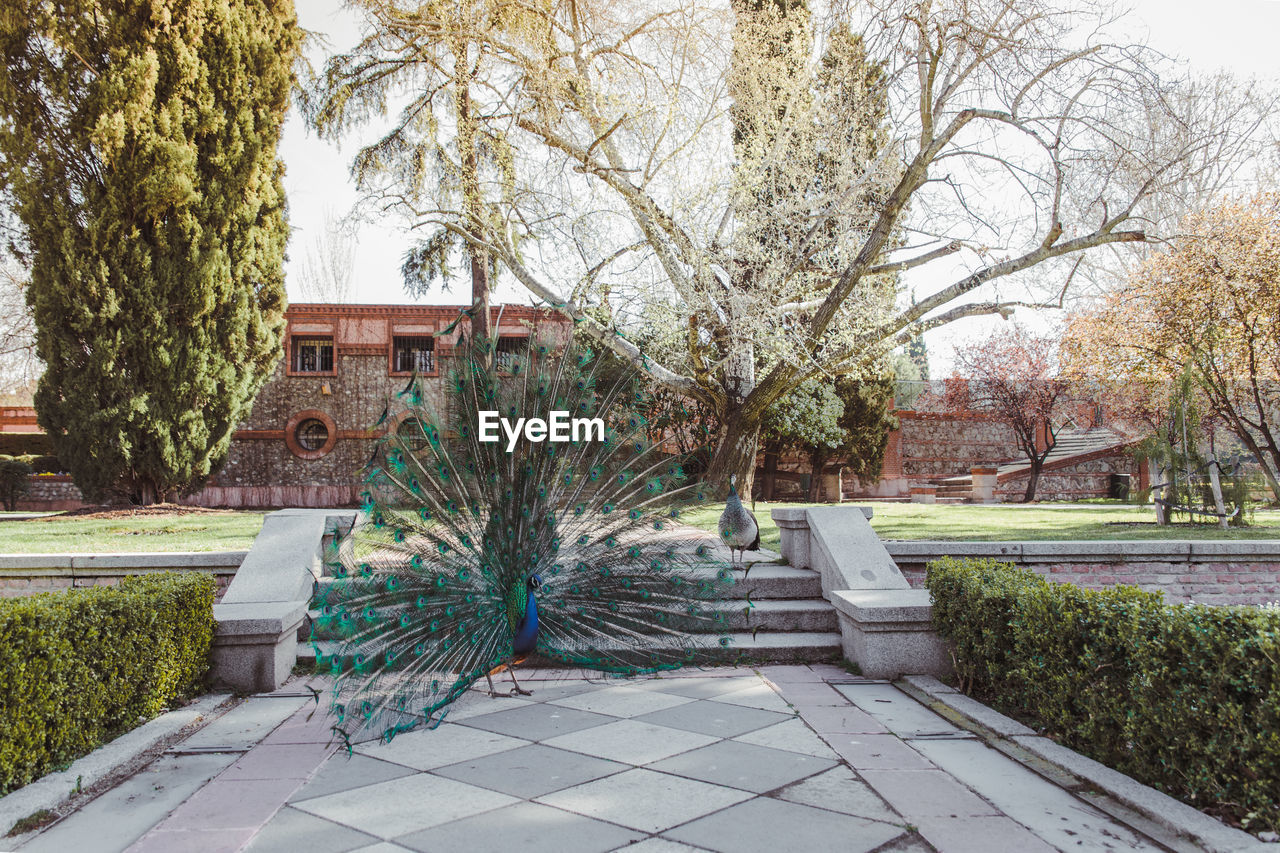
786	758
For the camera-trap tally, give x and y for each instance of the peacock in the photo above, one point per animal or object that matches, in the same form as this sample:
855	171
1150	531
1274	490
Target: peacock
473	553
738	526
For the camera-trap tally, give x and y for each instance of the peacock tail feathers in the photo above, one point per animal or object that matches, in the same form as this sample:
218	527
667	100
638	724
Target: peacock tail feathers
430	587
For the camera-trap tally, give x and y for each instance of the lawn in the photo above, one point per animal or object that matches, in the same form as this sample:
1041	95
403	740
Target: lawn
1013	522
120	531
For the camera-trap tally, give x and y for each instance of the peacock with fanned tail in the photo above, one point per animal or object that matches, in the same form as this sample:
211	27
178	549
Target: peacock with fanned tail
472	554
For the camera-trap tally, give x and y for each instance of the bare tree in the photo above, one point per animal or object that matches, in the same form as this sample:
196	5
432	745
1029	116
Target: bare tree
19	366
325	273
687	165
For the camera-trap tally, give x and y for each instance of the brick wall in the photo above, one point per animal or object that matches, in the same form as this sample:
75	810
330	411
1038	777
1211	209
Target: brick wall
1201	572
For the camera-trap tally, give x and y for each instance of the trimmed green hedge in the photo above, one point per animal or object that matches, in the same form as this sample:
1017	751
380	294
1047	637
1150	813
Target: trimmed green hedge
19	443
1185	698
82	666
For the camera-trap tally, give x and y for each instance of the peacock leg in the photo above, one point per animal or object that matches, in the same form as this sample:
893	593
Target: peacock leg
517	690
493	693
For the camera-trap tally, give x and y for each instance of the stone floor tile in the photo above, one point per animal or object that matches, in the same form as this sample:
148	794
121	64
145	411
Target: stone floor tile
292	830
426	749
537	721
765	825
247	723
526	827
343	772
877	752
807	693
193	841
231	805
279	761
900	713
760	696
400	806
530	771
631	741
124	814
700	688
659	845
980	835
312	724
840	790
743	765
645	800
926	793
621	701
846	720
383	847
1052	813
549	691
475	703
714	718
780	673
792	736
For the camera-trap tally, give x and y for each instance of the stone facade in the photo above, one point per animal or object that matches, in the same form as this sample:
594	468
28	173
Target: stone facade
1084	478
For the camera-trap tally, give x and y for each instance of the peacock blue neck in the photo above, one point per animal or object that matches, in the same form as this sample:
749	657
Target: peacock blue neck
526	636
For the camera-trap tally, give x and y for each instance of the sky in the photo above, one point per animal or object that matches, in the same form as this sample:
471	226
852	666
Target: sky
1238	35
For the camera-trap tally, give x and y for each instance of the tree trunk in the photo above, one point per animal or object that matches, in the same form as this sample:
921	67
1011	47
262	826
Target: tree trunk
770	484
817	461
1215	483
480	294
1037	463
1157	492
735	453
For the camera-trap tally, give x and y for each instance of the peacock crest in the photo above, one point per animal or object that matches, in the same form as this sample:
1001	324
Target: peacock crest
470	555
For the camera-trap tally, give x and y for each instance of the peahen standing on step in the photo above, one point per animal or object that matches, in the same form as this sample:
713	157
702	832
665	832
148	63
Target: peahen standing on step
475	553
738	527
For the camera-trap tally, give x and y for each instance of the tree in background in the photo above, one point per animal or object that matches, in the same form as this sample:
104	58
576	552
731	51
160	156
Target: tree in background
689	161
324	274
1013	377
1210	305
846	420
138	144
19	367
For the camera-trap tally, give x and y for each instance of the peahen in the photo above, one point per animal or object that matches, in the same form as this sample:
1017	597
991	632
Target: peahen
473	554
738	527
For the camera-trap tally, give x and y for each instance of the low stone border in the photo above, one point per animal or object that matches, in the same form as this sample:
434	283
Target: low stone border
1169	821
28	574
53	789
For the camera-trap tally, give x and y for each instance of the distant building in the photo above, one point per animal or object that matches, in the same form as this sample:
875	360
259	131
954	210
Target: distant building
308	435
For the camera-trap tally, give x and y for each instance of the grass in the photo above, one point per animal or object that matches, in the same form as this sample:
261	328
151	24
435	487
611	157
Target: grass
221	531
1013	522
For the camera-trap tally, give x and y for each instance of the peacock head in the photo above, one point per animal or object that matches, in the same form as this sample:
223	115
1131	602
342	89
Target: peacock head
534	581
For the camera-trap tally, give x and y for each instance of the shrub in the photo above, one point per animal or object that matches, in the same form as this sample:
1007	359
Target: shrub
44	464
1185	698
15	480
19	443
79	667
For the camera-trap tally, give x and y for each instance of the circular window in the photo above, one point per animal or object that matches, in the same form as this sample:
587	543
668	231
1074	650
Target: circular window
410	432
310	434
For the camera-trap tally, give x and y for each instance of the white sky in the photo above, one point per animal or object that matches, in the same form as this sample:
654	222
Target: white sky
1239	35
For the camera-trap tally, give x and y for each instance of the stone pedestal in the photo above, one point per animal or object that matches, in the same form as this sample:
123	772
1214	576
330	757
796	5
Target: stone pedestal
924	494
889	633
984	484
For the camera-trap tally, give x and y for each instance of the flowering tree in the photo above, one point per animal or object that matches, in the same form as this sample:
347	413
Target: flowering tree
1013	377
1210	305
750	181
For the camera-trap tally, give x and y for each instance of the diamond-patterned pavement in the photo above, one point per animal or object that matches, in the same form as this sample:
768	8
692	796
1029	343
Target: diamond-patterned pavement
783	758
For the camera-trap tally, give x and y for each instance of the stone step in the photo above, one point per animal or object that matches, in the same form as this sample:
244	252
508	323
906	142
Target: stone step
771	646
799	614
763	580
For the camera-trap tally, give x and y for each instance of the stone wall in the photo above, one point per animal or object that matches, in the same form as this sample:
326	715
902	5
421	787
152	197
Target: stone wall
1089	477
28	574
1201	572
935	445
51	492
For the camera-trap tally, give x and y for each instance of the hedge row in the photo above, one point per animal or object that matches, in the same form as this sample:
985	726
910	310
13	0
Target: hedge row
19	443
1185	698
79	667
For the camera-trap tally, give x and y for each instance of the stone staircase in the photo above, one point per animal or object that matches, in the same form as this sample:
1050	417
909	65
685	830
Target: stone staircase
952	490
793	622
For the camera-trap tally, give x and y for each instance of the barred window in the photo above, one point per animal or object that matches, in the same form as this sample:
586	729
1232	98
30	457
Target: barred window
312	434
312	355
507	350
411	354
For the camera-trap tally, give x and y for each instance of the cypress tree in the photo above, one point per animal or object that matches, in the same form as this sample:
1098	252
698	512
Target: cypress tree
138	147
